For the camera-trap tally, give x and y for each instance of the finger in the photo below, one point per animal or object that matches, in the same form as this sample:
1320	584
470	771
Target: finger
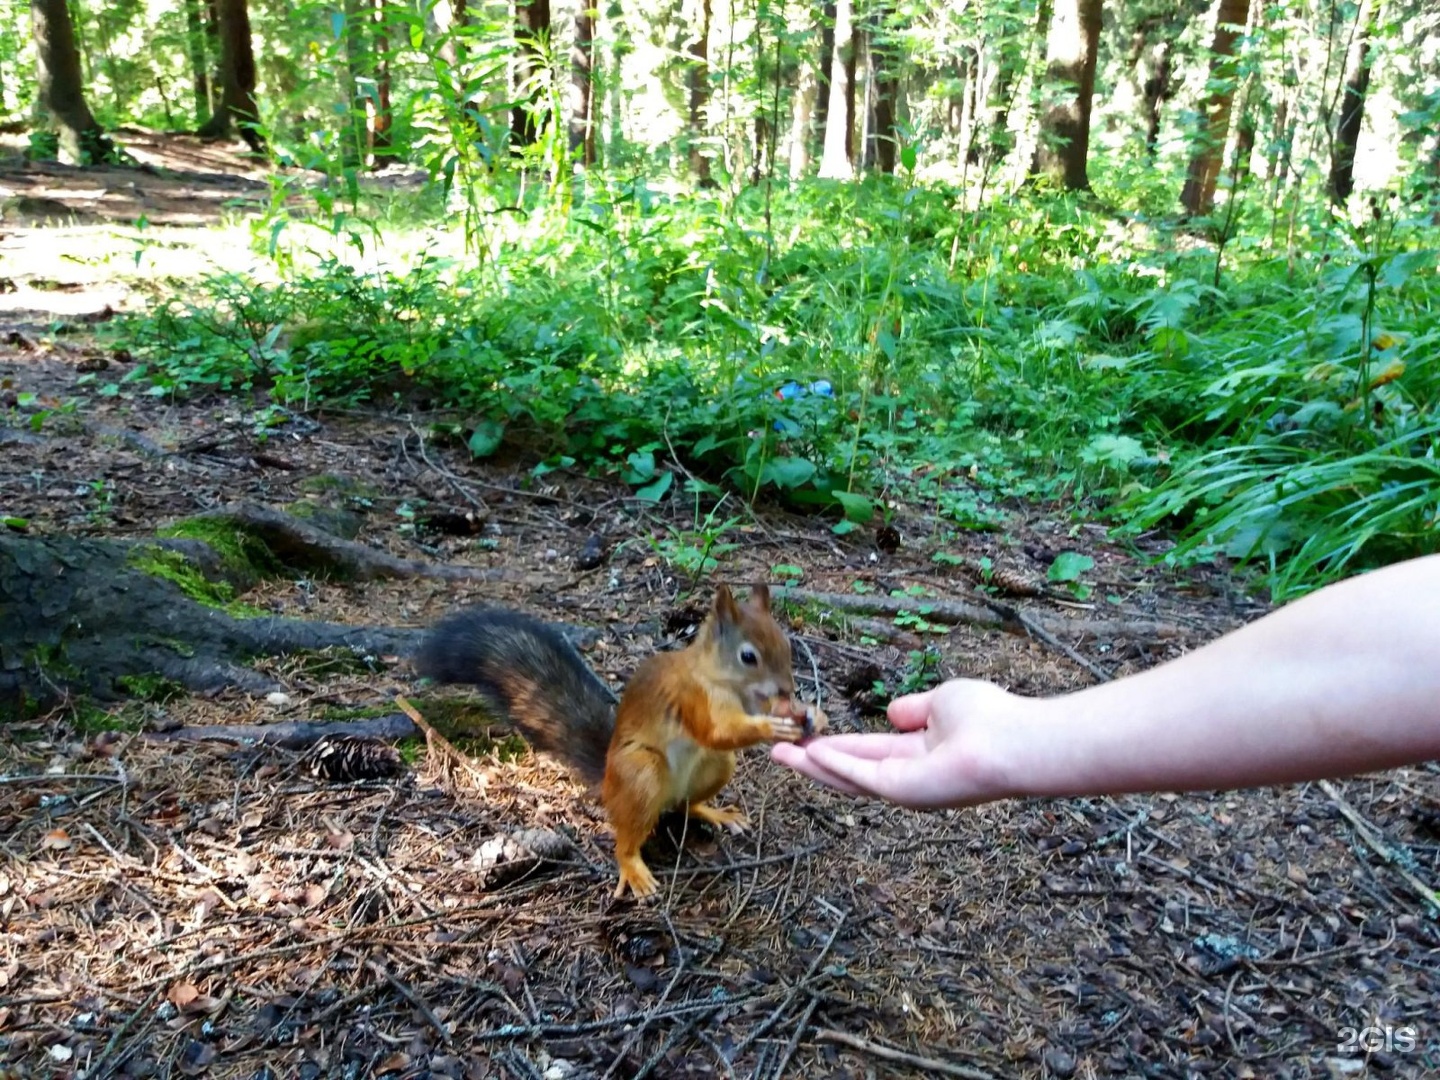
912	711
796	758
877	745
905	781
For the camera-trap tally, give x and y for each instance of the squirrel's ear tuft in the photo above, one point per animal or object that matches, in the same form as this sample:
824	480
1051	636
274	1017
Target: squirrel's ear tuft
760	597
726	610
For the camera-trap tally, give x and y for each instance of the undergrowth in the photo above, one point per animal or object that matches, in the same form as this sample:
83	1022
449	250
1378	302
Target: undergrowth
875	343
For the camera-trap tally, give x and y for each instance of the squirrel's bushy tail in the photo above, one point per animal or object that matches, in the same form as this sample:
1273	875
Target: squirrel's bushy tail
530	676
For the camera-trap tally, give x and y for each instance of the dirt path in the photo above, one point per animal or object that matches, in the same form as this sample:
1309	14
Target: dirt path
220	913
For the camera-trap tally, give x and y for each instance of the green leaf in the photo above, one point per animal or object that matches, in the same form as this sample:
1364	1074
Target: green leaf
840	528
1400	266
656	491
787	472
908	158
486	438
858	508
641	467
788	570
1069	565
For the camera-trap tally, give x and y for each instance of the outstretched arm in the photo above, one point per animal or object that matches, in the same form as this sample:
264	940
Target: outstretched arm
1345	680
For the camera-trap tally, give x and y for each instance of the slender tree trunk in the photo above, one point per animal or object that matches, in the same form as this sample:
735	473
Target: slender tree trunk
357	62
885	65
698	78
1198	195
802	114
212	58
449	16
379	115
61	94
532	23
1153	92
1064	144
236	77
822	70
195	46
582	128
1352	108
838	160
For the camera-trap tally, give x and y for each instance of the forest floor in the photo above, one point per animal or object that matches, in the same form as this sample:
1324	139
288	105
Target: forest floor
212	910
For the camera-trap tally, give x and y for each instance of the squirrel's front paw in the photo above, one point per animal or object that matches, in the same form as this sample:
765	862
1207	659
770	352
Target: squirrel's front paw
783	729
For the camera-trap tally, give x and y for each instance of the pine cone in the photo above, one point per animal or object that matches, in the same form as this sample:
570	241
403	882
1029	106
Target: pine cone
347	758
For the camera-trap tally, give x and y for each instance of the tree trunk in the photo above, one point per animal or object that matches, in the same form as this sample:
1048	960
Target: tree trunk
698	80
822	70
449	18
1198	195
582	66
1352	108
236	107
838	159
195	46
532	25
802	114
885	65
1064	145
1154	91
357	63
379	114
61	94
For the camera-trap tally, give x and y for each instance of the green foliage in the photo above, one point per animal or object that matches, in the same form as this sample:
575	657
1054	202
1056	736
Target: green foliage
973	357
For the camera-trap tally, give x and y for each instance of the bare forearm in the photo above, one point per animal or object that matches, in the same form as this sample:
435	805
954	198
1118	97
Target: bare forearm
1346	680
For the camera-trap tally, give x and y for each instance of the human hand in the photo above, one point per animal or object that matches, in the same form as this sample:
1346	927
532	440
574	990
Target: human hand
951	748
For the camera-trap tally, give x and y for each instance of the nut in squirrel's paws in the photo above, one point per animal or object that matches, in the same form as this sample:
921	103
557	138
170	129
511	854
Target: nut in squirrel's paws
809	718
783	729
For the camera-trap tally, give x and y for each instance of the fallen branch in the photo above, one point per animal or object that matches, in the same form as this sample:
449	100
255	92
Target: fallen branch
292	734
1371	836
900	1057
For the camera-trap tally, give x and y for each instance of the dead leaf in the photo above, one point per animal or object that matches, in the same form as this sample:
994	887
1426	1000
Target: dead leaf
56	840
340	840
313	894
183	994
252	820
1297	874
396	1062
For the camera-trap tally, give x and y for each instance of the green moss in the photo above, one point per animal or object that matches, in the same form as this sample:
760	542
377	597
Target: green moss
246	558
472	729
150	687
90	719
172	566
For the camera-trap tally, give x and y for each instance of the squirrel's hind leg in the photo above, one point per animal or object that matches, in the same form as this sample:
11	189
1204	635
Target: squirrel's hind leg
635	792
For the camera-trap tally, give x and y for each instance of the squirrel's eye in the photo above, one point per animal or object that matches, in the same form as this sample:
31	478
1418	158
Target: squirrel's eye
748	656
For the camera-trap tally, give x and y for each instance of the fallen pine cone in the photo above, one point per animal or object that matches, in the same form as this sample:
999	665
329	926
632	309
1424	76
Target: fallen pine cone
347	758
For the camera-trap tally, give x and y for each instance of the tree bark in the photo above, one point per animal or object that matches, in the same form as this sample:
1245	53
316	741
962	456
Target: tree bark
195	47
802	115
61	93
1154	90
532	24
64	602
1198	195
582	69
698	78
1352	109
885	64
380	117
1071	49
838	159
236	76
